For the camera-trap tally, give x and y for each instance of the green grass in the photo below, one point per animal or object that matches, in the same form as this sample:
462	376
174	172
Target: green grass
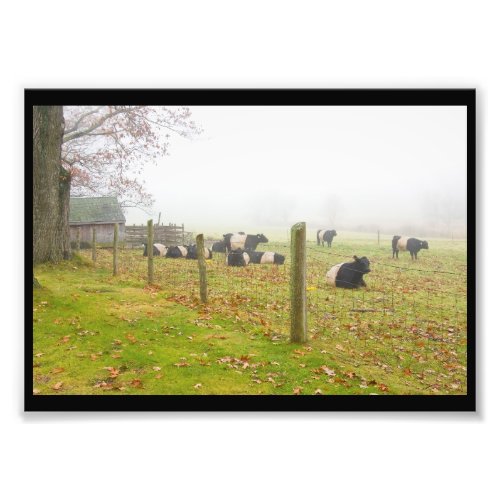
404	334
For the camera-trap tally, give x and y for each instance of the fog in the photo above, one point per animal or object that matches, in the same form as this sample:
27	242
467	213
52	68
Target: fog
352	168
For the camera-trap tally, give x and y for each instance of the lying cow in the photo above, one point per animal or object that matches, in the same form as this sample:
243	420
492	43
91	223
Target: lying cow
219	246
325	235
242	241
237	258
413	245
174	252
158	249
192	252
266	257
349	274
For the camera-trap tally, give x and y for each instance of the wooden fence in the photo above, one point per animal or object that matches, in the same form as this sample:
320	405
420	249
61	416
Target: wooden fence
171	234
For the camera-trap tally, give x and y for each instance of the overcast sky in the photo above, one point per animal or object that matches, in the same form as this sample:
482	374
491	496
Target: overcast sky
329	166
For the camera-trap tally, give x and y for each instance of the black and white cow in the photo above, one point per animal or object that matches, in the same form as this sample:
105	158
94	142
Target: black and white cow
219	246
174	252
266	257
192	252
158	249
242	241
349	274
325	235
413	245
237	258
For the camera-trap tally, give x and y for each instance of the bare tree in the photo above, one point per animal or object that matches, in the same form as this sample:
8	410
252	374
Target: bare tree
106	147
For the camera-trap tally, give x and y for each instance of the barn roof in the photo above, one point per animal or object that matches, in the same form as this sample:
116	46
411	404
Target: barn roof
93	210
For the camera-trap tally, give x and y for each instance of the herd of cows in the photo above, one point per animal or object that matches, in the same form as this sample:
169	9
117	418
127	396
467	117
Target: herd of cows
240	250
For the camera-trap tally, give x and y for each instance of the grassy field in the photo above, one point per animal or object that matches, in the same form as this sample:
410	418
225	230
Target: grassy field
405	333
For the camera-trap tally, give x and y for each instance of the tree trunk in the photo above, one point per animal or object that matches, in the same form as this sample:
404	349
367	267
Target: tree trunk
48	223
63	222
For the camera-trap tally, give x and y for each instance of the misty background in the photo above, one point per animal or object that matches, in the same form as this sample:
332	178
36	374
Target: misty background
397	169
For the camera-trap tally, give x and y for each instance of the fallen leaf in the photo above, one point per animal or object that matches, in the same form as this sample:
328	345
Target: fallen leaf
57	386
57	370
328	371
113	372
318	391
297	390
156	368
36	391
197	386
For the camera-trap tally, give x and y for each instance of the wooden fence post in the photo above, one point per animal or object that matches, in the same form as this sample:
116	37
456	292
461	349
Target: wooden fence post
378	237
202	266
77	240
298	311
115	251
94	252
150	251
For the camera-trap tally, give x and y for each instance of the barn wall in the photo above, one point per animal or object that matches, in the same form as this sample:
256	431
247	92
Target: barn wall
104	232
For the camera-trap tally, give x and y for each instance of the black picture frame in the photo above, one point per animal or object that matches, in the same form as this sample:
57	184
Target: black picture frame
250	97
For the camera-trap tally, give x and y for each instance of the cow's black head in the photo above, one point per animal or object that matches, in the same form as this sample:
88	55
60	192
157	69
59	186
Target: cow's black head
425	245
362	264
279	259
334	233
262	239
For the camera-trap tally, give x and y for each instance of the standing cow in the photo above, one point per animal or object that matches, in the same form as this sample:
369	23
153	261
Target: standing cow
413	245
349	274
158	249
242	241
325	235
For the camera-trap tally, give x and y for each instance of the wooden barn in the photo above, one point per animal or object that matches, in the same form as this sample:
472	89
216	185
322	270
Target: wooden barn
102	213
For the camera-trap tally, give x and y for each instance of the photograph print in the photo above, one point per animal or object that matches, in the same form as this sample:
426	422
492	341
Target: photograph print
249	250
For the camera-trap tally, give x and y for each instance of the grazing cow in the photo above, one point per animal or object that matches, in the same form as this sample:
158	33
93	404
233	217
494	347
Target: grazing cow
174	252
192	252
349	274
325	235
413	245
219	246
237	258
266	257
242	241
158	249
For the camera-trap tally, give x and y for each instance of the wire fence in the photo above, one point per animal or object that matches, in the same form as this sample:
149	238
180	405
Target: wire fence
399	317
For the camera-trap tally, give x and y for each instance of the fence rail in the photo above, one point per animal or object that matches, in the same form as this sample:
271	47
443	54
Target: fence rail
171	234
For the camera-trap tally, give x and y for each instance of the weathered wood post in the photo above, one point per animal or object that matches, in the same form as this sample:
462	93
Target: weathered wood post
150	251
298	311
94	252
202	266
183	241
115	251
78	237
378	237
